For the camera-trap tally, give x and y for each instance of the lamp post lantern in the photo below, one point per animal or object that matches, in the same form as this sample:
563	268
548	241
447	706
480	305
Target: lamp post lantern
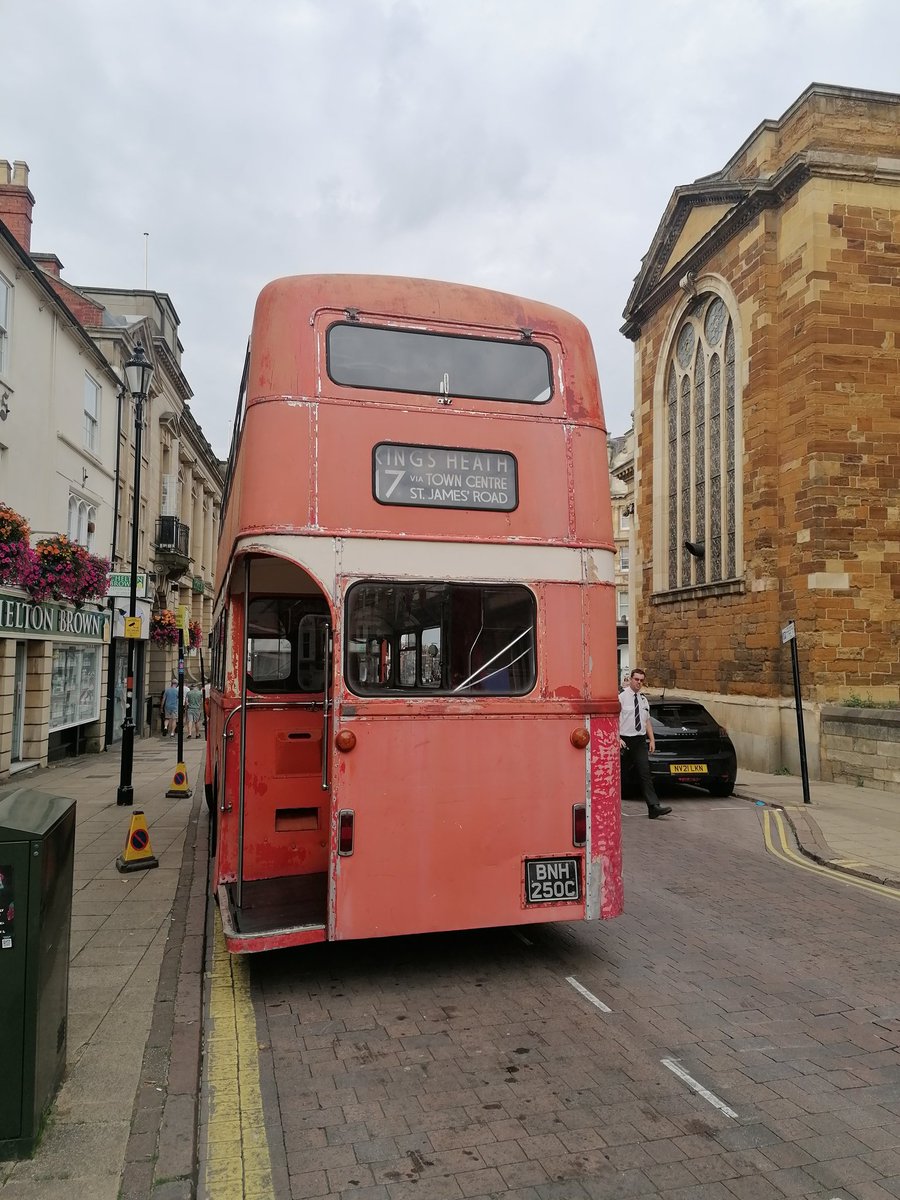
138	371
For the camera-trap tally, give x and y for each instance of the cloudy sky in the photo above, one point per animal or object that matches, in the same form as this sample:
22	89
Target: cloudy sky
525	145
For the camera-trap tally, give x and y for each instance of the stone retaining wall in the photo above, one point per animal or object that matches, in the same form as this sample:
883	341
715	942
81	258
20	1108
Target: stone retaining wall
857	746
861	746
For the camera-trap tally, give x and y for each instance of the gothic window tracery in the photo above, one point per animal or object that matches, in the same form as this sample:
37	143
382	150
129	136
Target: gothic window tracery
700	433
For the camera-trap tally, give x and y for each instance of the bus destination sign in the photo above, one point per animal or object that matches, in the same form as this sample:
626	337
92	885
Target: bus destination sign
445	477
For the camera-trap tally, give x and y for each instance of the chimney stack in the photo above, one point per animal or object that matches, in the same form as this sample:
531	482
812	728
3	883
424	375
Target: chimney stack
49	264
16	202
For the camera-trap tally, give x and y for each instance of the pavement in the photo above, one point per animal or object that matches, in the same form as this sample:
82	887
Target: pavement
130	959
854	830
125	1123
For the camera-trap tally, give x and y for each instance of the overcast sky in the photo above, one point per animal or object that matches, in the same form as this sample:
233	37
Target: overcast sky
524	145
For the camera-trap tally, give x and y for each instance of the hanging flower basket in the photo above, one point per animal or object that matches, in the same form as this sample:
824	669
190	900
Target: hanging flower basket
196	634
55	569
164	628
67	571
17	564
13	526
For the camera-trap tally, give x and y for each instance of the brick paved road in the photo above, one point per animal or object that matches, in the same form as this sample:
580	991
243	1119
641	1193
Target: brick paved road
466	1065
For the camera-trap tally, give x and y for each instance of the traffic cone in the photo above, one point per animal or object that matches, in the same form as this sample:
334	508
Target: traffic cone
180	782
137	855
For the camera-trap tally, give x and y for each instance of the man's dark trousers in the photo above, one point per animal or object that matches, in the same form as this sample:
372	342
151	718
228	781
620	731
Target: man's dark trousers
639	753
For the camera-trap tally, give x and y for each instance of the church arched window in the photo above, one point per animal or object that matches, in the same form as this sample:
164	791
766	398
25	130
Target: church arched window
700	432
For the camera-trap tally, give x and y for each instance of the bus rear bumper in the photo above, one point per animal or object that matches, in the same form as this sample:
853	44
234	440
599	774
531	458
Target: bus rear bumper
253	941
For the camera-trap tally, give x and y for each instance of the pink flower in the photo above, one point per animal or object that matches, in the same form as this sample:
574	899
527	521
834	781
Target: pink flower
68	571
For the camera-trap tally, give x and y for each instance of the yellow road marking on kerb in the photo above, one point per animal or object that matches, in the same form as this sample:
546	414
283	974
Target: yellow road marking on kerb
784	851
237	1164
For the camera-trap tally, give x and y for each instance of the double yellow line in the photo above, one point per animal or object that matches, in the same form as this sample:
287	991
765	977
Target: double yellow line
236	1164
775	826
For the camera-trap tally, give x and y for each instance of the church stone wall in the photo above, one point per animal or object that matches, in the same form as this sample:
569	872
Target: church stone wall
814	282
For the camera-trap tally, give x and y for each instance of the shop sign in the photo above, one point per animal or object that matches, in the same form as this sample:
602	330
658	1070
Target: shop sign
121	615
53	620
120	583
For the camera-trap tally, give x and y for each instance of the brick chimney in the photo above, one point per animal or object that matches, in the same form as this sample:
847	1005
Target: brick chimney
16	202
49	264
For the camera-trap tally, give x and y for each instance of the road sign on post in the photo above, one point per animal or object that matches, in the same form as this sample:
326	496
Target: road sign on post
789	634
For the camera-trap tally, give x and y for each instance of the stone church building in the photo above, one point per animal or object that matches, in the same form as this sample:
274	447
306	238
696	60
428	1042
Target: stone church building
765	321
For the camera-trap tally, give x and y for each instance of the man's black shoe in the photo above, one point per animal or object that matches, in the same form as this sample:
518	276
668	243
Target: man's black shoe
658	810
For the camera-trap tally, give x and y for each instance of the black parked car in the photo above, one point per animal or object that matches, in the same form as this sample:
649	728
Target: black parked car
691	747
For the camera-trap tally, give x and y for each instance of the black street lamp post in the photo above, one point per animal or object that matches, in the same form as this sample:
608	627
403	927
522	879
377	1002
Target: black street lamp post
138	371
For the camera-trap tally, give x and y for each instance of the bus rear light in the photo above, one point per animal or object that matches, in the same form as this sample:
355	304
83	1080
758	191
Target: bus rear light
345	831
580	738
345	741
579	824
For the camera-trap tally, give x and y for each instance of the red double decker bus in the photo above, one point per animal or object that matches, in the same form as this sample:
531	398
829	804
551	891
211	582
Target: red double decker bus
413	714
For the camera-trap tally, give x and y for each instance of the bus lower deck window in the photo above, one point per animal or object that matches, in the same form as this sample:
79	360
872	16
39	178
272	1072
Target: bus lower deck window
440	638
286	644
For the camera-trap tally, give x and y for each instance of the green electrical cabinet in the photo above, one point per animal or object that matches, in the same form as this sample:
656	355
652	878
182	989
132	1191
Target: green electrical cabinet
37	853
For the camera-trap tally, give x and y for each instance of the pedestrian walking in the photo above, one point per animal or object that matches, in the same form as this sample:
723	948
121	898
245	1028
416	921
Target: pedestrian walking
636	738
168	705
194	710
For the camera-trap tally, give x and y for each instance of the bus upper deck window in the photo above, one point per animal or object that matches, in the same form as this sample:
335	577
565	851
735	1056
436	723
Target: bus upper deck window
432	364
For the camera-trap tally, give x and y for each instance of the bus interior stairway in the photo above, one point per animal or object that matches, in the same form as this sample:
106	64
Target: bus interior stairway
267	905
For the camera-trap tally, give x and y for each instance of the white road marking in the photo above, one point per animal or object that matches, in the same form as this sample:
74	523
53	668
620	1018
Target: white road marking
692	1083
522	938
587	995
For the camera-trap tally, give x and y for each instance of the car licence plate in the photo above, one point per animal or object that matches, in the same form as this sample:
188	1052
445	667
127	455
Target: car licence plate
552	880
688	769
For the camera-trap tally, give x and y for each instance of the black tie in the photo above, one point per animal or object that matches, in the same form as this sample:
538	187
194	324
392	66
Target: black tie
637	713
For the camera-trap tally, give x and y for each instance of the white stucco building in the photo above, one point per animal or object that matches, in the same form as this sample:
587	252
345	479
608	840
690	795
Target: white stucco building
67	443
58	404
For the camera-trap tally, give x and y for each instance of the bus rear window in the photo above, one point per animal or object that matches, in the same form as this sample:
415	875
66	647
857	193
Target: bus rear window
434	364
286	644
450	639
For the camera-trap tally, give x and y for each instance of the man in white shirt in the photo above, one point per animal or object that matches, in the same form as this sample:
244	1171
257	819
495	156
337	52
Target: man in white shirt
636	738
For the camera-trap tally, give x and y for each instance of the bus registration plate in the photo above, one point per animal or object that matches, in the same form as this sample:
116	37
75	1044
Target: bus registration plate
552	880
